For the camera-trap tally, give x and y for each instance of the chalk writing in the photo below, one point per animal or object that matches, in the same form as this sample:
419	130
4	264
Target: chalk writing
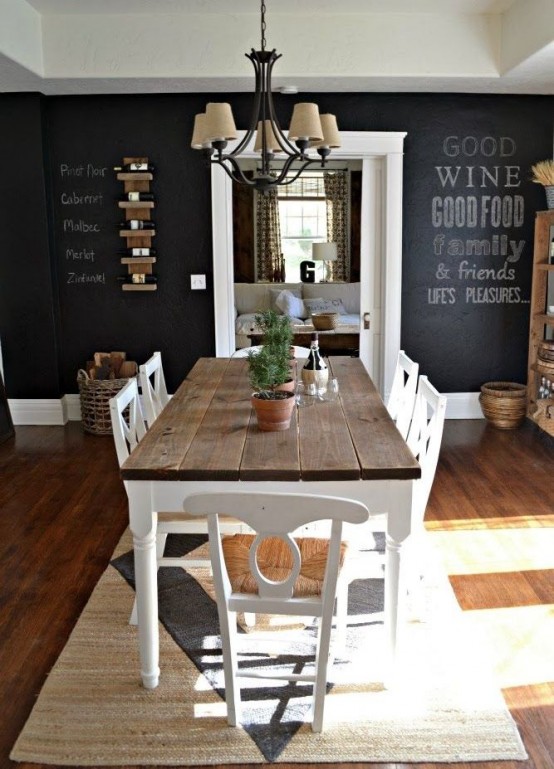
84	255
475	196
79	191
83	171
74	199
85	277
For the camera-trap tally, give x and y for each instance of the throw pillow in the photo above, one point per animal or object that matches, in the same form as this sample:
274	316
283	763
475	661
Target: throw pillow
290	304
325	305
274	293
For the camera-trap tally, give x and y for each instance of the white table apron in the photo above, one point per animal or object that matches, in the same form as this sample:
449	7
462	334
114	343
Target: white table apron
393	497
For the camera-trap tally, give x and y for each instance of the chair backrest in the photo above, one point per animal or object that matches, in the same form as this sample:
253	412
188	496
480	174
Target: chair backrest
243	352
275	515
127	420
424	440
154	391
299	352
401	400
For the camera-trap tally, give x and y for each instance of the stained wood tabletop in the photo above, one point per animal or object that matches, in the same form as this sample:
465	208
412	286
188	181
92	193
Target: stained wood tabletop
208	431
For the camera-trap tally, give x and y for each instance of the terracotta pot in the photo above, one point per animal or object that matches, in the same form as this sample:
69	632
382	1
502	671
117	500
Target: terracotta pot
274	415
287	386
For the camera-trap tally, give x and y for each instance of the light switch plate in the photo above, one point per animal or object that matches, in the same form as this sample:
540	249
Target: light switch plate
197	282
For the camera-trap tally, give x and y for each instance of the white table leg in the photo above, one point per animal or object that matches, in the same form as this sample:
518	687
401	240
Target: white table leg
398	529
143	526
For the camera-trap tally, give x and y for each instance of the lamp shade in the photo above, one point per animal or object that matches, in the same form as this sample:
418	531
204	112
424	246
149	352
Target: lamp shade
220	124
199	139
331	135
324	252
305	123
271	143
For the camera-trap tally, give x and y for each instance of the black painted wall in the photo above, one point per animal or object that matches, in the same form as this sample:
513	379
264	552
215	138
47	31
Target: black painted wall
49	329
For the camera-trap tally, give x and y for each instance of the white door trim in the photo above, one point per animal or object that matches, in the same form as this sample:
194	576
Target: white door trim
355	145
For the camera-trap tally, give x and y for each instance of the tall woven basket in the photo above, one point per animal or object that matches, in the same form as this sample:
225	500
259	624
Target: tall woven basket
95	397
504	404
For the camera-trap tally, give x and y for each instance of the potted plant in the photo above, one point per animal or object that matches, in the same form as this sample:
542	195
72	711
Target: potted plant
269	370
543	173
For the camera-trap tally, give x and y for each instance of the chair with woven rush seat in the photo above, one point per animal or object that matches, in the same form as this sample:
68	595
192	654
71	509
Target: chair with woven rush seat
400	404
270	572
424	440
128	430
154	390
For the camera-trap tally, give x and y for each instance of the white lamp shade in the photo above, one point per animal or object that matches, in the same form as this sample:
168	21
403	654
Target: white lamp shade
271	142
324	252
305	123
220	124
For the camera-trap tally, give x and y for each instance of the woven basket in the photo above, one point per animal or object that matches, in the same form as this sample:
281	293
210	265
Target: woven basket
504	404
325	321
95	397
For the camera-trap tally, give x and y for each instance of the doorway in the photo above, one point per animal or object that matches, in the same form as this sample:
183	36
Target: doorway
381	154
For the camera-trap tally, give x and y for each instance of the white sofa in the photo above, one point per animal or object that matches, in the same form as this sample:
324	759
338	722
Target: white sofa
252	298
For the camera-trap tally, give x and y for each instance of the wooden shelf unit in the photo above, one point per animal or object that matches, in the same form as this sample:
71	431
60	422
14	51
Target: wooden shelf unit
137	265
540	410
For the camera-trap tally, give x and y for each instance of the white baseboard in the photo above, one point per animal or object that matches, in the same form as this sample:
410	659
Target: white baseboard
72	406
463	406
58	411
37	411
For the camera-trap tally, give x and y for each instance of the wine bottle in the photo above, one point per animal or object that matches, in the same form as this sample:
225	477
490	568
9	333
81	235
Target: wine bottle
137	251
315	369
134	168
134	197
138	277
137	224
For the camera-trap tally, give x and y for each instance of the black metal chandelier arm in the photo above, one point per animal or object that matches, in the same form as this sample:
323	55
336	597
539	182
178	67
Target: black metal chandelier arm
255	109
235	172
283	174
282	140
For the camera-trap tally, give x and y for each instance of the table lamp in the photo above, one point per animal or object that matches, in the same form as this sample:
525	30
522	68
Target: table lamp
326	253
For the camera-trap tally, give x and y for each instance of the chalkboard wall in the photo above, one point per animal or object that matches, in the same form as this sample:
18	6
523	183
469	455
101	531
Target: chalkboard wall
467	238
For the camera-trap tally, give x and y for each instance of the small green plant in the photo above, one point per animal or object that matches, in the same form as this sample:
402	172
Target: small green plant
267	371
270	366
276	329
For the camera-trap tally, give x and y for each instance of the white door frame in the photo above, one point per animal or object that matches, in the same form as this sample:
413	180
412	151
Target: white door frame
380	244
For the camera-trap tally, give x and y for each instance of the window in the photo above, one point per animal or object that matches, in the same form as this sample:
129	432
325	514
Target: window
303	221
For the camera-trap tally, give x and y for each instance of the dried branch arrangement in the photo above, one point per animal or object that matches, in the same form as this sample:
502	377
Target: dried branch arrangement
543	173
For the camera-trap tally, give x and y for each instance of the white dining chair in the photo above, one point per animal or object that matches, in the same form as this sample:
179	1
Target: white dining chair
299	352
270	572
400	403
128	430
424	440
153	387
244	352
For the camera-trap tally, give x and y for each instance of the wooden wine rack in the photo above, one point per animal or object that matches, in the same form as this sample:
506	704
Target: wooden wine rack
137	265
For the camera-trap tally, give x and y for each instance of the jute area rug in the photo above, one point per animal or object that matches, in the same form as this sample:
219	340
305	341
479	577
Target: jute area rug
93	710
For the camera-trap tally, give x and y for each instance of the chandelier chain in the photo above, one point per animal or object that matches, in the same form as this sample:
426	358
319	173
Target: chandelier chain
263	25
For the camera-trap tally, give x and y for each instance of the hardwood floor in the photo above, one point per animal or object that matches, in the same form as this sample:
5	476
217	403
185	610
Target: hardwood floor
491	513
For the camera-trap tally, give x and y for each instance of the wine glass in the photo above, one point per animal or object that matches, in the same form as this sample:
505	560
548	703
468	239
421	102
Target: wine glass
305	394
332	391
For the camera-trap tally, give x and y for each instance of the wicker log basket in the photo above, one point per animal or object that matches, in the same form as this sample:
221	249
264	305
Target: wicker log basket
504	404
325	321
95	397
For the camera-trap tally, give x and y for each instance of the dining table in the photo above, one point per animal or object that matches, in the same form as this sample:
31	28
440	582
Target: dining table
207	439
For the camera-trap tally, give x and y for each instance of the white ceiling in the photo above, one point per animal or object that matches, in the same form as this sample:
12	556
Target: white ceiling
157	46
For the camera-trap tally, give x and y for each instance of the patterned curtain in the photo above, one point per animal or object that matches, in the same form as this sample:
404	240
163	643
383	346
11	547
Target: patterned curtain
336	197
268	237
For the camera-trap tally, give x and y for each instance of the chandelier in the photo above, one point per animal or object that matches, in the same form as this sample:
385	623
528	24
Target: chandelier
280	161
